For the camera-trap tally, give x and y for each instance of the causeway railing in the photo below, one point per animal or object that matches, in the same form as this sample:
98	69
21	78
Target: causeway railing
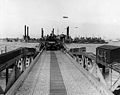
87	60
13	64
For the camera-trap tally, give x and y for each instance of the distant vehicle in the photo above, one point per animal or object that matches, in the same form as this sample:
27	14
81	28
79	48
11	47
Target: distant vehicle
52	43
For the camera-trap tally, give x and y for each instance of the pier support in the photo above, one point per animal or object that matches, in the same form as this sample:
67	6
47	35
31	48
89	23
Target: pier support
103	71
7	75
17	70
27	63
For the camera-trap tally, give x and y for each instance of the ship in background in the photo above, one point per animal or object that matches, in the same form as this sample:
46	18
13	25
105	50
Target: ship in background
66	38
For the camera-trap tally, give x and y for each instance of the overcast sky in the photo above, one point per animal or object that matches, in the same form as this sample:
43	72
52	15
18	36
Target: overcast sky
92	17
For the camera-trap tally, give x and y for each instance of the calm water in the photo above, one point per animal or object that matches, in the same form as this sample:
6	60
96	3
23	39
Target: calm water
92	47
14	45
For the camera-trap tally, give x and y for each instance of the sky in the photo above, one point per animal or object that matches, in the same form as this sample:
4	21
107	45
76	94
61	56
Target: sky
99	18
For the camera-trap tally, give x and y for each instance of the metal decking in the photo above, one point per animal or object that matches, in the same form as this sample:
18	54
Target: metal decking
55	73
57	86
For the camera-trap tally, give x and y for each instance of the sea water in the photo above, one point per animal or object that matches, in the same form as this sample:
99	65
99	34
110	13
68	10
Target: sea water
14	45
91	47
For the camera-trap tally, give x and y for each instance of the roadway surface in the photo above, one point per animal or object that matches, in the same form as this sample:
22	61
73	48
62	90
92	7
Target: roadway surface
56	74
